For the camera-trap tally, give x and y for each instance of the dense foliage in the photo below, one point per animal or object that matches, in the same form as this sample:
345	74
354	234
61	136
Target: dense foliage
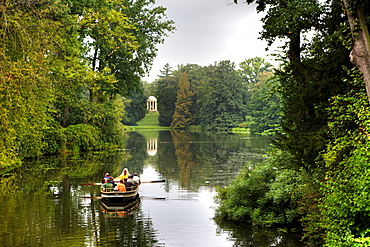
222	97
135	108
324	127
64	67
262	195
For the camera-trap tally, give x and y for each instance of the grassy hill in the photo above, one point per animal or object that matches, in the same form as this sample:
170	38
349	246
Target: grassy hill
150	122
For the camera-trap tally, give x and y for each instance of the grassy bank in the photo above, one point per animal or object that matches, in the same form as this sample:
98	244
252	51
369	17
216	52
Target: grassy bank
149	122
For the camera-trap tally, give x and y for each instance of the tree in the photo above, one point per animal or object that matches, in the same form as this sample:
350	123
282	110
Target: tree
151	26
263	107
167	71
135	108
360	54
123	37
223	107
251	68
261	104
313	73
50	91
197	76
182	116
166	92
31	42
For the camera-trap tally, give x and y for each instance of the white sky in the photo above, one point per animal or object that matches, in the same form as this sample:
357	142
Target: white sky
208	31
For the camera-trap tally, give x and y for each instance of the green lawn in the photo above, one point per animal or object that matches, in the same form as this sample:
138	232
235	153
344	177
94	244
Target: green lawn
149	122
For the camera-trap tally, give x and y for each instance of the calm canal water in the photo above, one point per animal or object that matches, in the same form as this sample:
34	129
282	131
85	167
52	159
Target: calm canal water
45	204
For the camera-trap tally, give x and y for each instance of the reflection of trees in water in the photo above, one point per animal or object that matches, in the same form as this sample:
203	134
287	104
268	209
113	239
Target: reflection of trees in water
222	156
198	159
36	175
137	145
260	236
134	230
184	155
33	222
33	215
167	164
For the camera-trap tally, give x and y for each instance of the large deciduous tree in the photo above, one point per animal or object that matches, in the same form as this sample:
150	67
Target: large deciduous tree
251	68
123	37
223	106
53	87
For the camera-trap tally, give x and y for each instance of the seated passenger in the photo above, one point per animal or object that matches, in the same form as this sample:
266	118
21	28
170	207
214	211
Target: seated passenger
121	186
127	184
132	180
136	178
108	186
106	177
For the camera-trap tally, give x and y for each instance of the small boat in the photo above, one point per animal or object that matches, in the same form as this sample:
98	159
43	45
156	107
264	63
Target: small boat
120	196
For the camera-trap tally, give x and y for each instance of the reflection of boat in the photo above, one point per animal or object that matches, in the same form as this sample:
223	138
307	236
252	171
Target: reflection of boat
120	209
120	196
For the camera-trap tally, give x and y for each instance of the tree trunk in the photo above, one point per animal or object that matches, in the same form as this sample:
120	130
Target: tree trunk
65	117
360	54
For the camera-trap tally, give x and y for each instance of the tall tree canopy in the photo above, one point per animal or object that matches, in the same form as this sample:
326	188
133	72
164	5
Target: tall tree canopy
64	65
182	116
223	105
324	120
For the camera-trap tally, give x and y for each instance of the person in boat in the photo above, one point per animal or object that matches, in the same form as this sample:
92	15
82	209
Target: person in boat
131	180
127	184
108	186
136	178
108	177
123	175
121	186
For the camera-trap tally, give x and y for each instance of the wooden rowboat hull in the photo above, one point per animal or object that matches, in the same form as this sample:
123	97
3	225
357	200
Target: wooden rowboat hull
119	196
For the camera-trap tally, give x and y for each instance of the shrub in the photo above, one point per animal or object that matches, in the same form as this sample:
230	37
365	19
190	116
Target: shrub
82	137
263	195
54	140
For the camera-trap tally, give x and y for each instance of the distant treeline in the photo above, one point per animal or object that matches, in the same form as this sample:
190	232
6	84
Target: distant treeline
217	97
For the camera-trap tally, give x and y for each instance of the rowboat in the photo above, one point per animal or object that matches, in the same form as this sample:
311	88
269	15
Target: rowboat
120	196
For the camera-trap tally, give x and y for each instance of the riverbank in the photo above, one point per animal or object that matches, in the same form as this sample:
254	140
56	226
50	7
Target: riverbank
149	122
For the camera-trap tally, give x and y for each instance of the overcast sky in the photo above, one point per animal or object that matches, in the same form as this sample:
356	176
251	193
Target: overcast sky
209	31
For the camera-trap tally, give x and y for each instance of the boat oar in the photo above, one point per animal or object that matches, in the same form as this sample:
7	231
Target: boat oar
85	184
155	181
92	197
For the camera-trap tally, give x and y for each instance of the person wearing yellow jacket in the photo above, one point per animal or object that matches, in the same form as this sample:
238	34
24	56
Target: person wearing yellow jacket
123	175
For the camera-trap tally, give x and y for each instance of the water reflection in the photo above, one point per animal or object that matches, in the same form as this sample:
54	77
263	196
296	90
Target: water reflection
151	146
257	236
119	209
44	203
